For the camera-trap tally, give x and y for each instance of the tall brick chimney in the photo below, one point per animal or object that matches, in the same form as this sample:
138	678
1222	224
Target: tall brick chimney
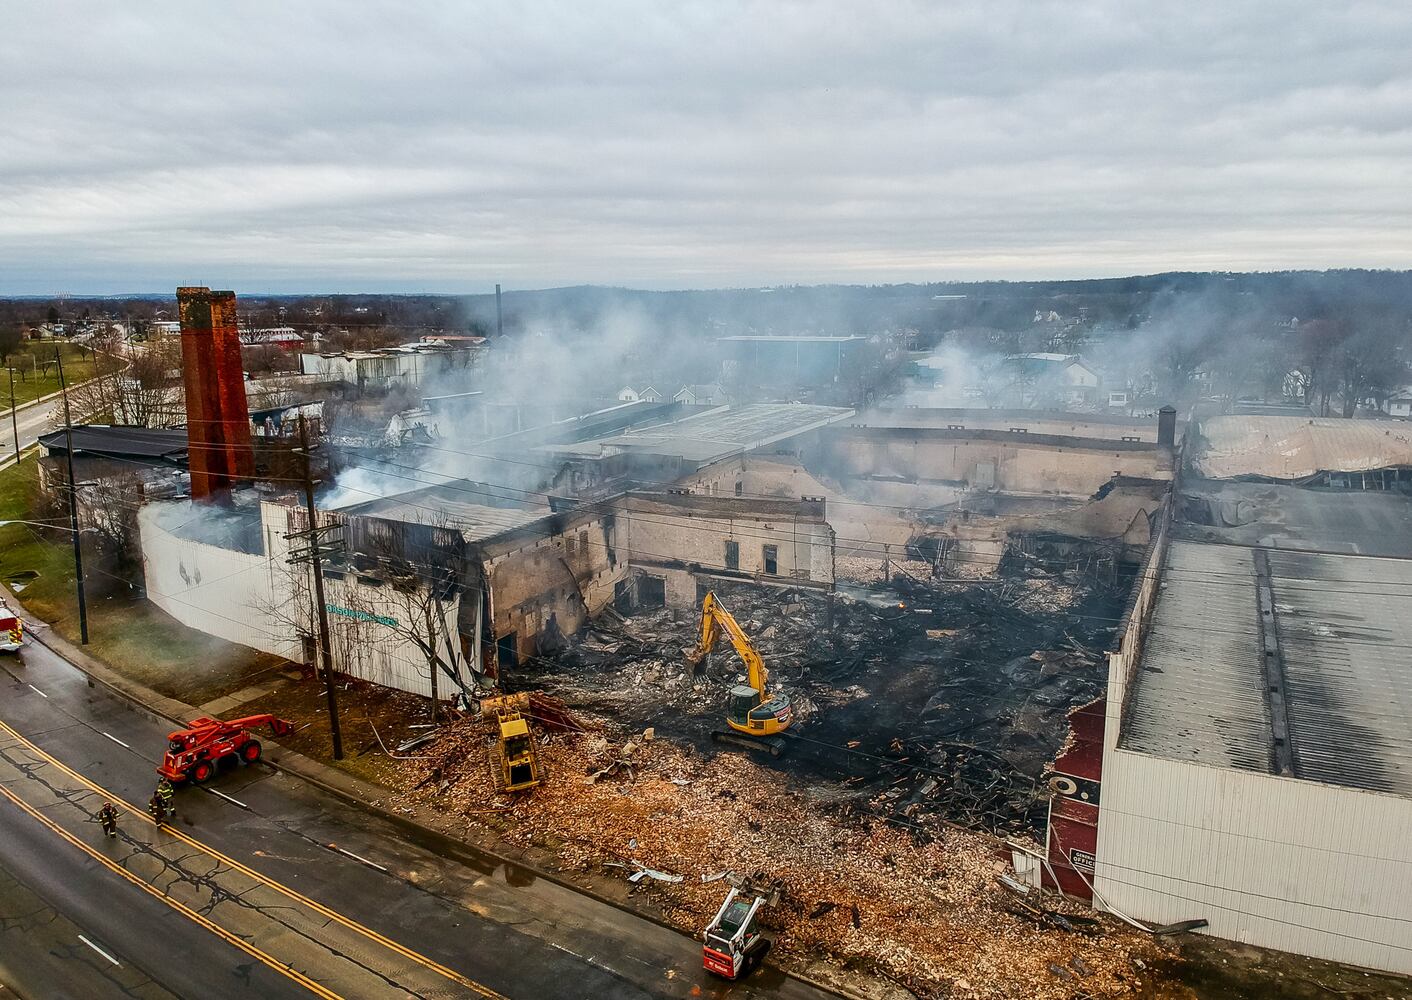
217	417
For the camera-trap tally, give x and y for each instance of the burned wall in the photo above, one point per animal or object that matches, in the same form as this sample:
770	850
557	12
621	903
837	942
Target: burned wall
1000	460
685	538
1094	426
562	569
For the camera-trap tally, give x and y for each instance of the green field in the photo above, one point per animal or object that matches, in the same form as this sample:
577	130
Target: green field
43	379
126	631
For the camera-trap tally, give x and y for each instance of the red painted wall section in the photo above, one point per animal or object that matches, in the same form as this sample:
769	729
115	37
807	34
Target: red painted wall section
1074	781
218	418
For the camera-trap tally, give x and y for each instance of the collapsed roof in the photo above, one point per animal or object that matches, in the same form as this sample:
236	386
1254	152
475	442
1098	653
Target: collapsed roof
1293	448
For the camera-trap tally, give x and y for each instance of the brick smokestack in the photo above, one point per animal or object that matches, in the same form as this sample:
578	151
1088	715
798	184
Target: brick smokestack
217	417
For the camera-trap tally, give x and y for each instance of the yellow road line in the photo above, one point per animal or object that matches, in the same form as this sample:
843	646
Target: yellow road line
265	880
181	908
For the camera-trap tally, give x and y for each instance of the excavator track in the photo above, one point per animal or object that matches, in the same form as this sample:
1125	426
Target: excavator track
775	746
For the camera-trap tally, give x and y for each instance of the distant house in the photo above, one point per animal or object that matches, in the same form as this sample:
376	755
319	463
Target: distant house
700	395
627	394
1399	403
1063	377
285	337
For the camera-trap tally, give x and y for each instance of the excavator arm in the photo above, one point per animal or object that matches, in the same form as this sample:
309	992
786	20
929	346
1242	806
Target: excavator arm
716	619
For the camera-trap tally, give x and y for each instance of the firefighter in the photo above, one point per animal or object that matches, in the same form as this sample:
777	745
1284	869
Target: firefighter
165	791
108	817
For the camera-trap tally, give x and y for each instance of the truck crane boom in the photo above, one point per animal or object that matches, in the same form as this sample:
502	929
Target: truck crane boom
194	753
755	716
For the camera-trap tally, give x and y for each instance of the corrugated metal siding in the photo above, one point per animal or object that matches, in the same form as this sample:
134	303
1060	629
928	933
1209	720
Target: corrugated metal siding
1345	626
1277	862
1199	690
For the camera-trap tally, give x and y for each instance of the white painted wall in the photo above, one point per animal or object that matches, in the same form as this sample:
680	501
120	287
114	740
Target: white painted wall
215	590
1294	865
257	601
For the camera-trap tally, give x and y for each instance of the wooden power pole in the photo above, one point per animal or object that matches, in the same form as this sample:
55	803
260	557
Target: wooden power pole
73	501
315	560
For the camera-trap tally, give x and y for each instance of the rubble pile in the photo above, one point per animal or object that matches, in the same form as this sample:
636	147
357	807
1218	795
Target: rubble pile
932	701
928	913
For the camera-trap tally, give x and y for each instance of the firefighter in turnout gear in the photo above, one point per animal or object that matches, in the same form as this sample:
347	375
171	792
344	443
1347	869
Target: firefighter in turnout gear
108	818
157	809
165	791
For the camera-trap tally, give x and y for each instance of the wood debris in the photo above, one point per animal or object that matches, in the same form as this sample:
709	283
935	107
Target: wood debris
925	913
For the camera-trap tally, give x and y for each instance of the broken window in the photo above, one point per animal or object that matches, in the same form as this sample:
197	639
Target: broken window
732	555
583	542
569	545
771	554
739	487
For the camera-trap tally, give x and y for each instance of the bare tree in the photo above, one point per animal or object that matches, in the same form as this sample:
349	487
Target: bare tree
144	390
152	393
96	399
107	509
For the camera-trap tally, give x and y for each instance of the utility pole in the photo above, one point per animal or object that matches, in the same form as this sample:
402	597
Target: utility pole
14	420
73	499
320	607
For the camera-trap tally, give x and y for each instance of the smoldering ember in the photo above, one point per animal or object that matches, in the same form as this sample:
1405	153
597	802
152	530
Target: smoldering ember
1036	639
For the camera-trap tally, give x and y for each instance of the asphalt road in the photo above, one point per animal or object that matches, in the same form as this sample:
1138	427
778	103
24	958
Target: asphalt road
32	421
245	898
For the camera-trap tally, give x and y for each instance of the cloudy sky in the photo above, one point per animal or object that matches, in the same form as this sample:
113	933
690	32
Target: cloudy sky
424	146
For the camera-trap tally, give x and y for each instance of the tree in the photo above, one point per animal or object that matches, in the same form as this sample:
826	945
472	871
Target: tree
1370	365
1320	346
144	390
96	399
10	337
107	509
53	314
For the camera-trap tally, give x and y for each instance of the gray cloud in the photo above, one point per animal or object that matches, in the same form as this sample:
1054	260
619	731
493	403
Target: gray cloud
447	146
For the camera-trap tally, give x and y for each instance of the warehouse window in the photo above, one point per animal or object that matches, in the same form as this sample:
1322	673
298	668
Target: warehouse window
732	555
771	554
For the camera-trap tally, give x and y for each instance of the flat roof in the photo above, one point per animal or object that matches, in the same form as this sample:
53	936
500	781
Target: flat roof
706	437
116	441
477	510
1344	632
744	338
1294	448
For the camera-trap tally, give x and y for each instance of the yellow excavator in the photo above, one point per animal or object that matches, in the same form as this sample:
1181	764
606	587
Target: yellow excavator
756	718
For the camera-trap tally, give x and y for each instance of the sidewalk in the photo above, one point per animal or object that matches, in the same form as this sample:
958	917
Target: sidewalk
449	835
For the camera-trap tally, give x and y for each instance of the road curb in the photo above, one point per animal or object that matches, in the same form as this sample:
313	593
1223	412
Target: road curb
354	790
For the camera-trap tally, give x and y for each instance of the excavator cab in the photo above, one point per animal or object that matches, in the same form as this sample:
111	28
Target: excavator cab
750	714
755	718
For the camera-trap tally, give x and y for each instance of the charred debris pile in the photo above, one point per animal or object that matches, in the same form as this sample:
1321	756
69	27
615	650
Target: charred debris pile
927	702
671	824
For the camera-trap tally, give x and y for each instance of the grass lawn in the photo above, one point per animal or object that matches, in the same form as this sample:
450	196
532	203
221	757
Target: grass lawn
129	633
361	707
44	379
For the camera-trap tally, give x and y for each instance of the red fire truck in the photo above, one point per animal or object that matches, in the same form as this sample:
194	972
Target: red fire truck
12	630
